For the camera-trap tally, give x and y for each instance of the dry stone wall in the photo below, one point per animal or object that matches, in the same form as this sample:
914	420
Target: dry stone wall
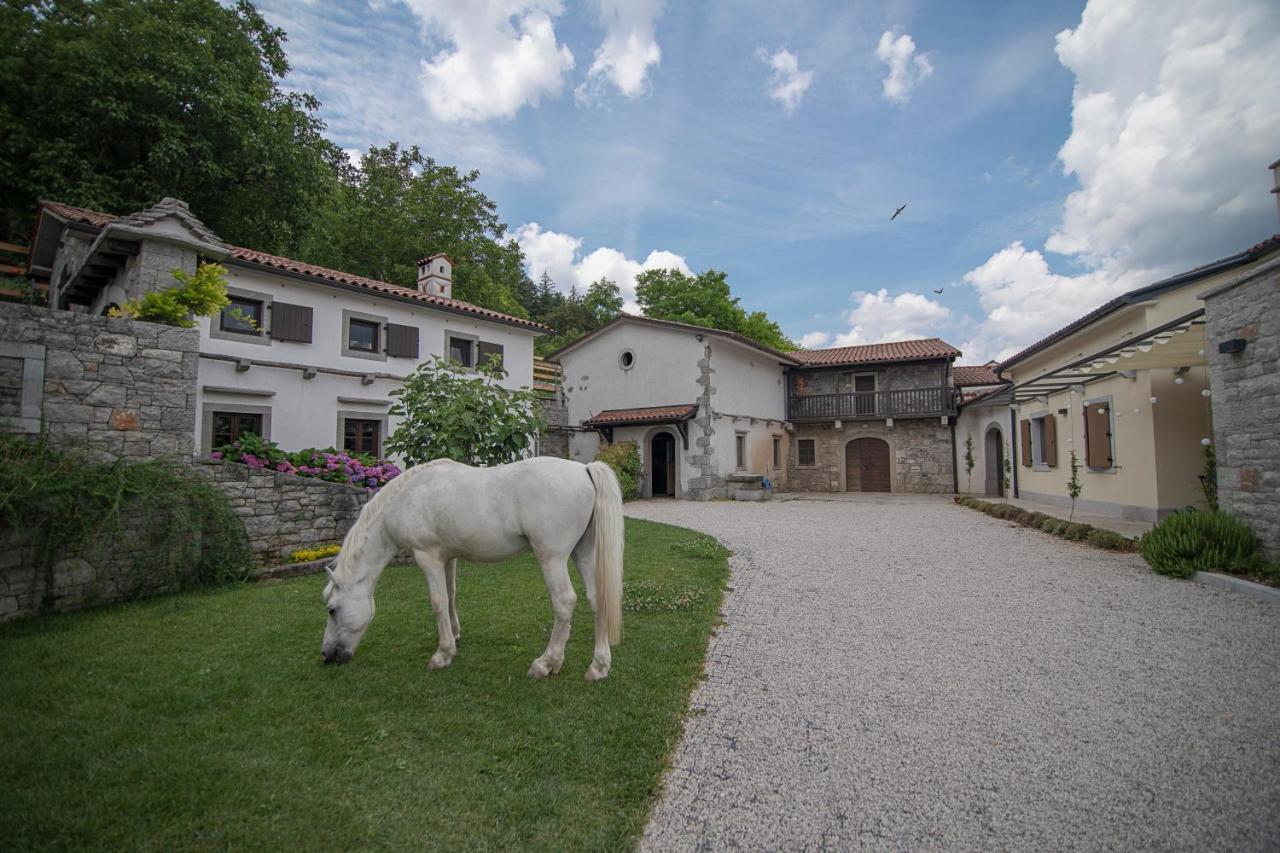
919	455
1246	399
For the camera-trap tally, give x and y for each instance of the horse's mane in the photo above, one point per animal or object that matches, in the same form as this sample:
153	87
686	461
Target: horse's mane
358	536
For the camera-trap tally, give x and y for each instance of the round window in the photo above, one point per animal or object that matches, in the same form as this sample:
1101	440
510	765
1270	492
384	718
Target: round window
627	359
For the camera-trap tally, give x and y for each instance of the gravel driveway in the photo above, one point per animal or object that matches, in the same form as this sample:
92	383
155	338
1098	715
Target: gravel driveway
901	672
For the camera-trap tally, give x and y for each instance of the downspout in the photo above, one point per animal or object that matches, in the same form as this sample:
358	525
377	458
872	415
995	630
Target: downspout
955	472
1013	449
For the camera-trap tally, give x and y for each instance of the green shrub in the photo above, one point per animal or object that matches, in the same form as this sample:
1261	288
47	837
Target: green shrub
1109	540
201	295
1198	541
624	458
1076	531
1037	519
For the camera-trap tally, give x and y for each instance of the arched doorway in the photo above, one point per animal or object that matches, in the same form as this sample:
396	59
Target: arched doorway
993	455
866	465
662	465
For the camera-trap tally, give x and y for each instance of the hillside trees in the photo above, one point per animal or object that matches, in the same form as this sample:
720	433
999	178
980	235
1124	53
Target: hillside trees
704	300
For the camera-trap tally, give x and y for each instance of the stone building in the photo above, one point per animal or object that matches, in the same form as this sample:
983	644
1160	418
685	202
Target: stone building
715	414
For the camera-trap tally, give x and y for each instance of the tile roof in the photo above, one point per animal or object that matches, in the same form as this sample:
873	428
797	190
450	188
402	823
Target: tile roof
252	256
1222	265
649	415
671	324
872	353
979	374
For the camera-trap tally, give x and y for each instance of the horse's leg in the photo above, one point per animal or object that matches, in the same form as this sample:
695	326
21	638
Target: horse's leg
555	571
584	556
433	568
450	579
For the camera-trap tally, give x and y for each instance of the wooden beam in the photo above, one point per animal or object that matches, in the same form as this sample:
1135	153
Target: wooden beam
15	248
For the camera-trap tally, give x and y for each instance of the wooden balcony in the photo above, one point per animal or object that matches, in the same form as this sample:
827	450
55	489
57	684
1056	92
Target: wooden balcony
873	405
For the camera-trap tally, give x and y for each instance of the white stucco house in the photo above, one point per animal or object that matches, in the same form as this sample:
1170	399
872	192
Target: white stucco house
308	356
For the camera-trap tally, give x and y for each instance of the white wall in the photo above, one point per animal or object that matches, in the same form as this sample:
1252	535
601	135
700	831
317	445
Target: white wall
304	412
975	420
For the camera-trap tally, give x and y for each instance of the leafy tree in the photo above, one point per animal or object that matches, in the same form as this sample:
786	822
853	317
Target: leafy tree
968	459
574	314
201	295
399	205
1008	469
452	412
115	104
1074	486
704	300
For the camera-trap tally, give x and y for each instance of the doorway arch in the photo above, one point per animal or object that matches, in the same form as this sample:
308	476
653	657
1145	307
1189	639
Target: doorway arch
662	465
866	465
993	457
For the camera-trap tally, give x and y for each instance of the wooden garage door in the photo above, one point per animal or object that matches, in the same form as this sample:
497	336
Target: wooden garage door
867	465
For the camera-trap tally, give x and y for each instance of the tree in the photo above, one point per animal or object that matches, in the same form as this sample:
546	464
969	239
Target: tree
1074	486
968	459
201	295
115	104
573	315
452	412
1008	469
399	205
704	300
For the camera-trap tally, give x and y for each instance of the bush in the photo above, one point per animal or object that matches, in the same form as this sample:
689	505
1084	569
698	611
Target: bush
201	295
306	555
1109	540
1200	541
624	458
334	466
1075	531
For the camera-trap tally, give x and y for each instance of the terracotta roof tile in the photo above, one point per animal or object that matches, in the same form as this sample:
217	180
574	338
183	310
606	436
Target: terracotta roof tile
981	374
871	353
649	415
252	256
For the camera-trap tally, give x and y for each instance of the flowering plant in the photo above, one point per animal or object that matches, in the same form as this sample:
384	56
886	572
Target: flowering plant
336	466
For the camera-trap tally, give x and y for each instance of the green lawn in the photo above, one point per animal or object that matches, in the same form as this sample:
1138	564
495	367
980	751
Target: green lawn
206	720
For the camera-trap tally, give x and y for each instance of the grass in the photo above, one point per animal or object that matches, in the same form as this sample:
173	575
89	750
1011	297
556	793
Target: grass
207	721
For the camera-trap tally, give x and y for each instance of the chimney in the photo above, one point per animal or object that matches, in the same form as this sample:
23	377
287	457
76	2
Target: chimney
435	275
1275	171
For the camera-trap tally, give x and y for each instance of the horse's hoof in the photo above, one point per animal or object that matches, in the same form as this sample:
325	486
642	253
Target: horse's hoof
538	669
438	661
595	673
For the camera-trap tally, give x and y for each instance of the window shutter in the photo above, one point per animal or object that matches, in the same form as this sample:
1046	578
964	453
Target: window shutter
487	349
1051	441
291	322
1097	435
1024	427
402	341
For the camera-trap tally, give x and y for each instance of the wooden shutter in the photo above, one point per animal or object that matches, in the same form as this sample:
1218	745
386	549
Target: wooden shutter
291	322
402	341
486	350
1051	441
1024	428
1097	435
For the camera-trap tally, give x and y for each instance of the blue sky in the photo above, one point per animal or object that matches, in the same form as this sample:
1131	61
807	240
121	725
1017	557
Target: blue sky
1042	173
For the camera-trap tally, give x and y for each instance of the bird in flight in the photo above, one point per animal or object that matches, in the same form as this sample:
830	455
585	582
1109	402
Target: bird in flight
938	289
896	212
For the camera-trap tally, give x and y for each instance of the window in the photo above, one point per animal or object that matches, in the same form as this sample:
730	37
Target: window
864	385
805	450
228	427
460	350
243	316
627	359
777	453
361	436
740	441
1040	441
362	335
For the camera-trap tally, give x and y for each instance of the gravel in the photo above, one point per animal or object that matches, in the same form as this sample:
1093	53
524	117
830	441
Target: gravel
901	672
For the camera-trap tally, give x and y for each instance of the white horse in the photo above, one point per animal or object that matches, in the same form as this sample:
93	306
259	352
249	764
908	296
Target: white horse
444	510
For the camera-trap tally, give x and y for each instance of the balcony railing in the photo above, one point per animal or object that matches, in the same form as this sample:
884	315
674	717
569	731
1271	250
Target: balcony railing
865	405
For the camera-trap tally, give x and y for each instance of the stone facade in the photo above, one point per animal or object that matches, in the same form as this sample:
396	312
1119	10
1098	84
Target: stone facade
891	377
283	513
555	440
120	387
919	454
1246	398
708	483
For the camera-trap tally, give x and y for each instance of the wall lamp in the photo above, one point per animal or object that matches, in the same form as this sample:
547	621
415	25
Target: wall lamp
1233	346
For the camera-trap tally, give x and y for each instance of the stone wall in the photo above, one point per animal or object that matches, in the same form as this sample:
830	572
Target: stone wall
121	387
283	513
708	483
555	440
1246	398
919	452
890	377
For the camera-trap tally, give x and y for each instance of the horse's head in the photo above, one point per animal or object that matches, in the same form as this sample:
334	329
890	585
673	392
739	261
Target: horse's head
350	612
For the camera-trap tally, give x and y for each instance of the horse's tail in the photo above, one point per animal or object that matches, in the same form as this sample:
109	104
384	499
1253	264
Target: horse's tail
608	534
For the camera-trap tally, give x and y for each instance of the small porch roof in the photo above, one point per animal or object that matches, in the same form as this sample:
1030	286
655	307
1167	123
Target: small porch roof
679	416
1179	343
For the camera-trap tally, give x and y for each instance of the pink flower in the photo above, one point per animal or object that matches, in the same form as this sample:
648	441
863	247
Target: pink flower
217	454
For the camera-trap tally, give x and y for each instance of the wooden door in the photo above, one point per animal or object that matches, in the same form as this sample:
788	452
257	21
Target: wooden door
994	457
867	465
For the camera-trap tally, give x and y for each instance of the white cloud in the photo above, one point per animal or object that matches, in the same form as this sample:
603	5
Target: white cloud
814	340
1173	125
881	317
502	55
789	83
558	255
906	67
628	50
